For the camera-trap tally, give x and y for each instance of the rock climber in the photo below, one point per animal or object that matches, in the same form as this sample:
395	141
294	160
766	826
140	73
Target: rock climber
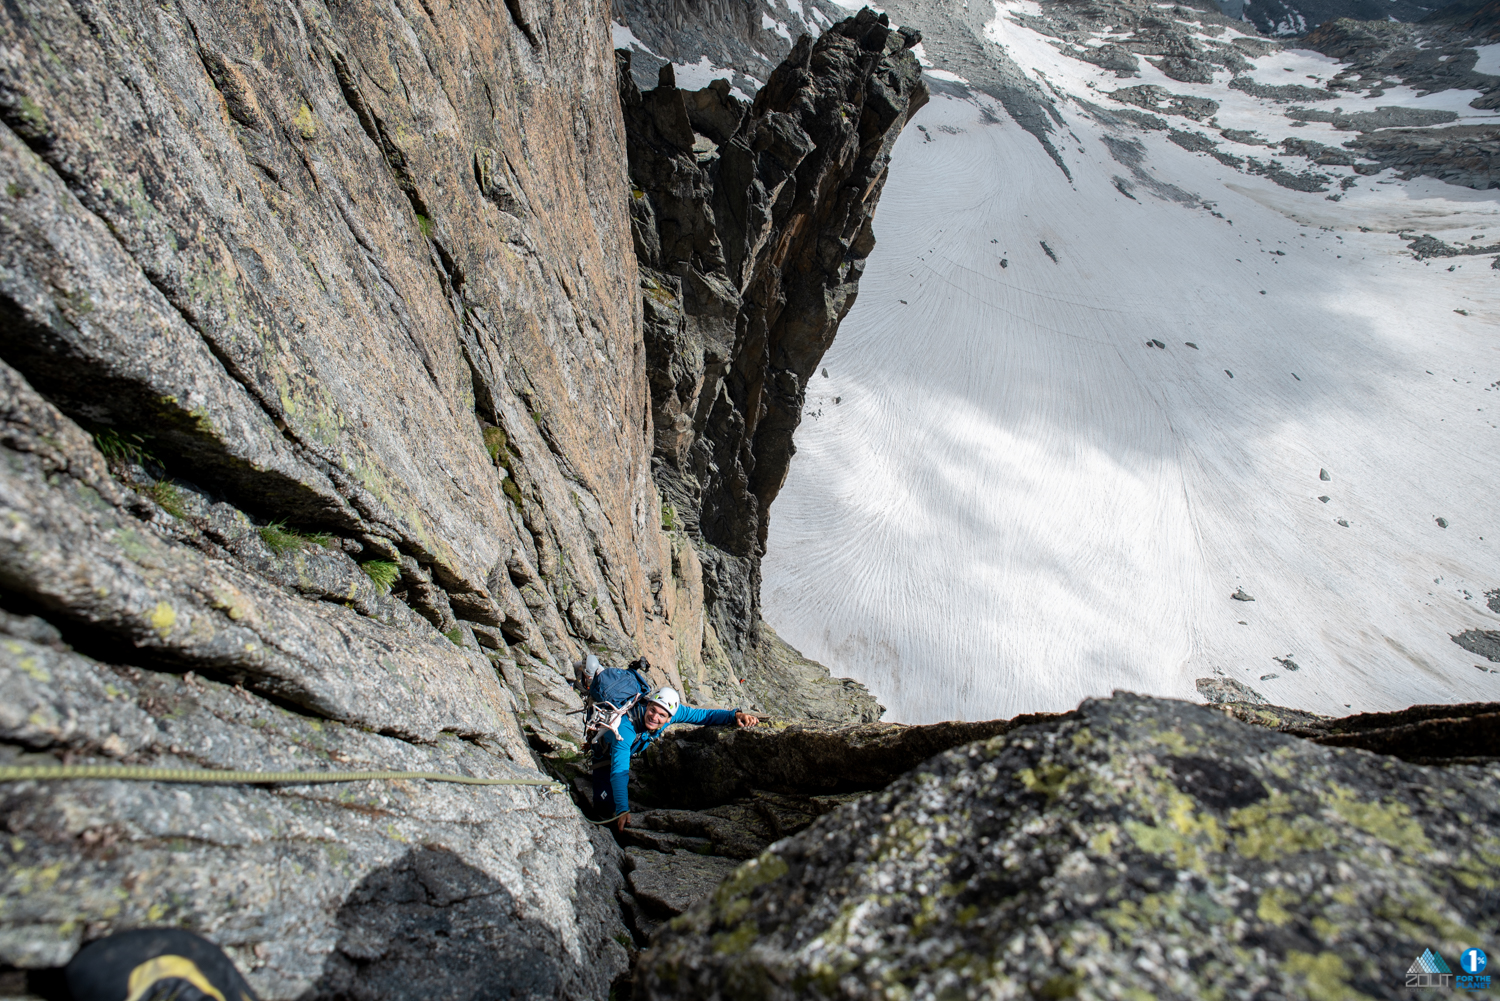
638	728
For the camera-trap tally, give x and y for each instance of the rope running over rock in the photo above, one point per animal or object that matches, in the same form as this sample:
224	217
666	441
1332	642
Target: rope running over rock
25	773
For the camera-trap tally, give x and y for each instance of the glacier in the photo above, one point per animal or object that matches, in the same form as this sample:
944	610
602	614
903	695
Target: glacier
1070	416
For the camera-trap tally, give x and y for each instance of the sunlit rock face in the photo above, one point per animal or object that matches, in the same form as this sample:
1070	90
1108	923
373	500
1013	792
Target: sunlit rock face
1094	388
323	445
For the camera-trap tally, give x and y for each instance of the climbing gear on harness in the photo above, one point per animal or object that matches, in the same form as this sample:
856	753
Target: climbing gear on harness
667	698
26	773
612	693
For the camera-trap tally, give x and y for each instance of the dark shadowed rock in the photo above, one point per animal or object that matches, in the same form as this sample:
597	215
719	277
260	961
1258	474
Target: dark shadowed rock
1422	734
712	765
430	925
667	885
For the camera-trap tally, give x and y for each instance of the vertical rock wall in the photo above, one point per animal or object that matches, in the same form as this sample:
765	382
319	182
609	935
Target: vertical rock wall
324	444
752	223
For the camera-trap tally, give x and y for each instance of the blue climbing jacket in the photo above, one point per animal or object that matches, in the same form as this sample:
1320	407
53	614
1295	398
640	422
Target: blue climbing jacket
615	754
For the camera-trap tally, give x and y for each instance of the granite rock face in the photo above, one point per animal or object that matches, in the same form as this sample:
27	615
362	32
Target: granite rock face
353	890
1136	847
324	444
752	223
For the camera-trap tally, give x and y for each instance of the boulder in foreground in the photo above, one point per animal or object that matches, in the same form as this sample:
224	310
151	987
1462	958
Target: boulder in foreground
1136	848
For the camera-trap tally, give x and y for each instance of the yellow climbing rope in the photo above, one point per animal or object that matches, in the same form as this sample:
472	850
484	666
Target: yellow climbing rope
26	773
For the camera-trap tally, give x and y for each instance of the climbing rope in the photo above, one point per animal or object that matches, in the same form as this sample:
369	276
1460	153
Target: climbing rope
25	773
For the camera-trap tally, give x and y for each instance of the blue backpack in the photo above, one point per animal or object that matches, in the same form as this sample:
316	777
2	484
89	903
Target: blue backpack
612	692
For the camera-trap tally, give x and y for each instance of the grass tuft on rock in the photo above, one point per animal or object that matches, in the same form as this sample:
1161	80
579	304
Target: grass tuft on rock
167	497
382	573
495	443
513	492
119	449
281	540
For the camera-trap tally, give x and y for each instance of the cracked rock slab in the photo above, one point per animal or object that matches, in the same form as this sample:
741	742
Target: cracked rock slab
669	884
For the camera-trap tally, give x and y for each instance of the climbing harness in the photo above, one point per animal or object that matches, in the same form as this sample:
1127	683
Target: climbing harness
26	773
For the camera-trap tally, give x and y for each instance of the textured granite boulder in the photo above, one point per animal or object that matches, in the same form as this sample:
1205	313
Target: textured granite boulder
1135	848
371	889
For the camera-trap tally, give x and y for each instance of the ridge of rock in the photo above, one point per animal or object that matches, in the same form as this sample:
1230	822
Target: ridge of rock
751	224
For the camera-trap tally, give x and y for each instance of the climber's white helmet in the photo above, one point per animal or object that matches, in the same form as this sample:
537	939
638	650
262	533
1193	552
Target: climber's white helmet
667	698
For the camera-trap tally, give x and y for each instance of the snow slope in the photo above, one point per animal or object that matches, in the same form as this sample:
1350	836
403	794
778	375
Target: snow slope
1004	500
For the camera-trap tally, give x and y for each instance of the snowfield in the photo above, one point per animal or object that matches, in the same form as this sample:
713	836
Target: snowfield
1005	499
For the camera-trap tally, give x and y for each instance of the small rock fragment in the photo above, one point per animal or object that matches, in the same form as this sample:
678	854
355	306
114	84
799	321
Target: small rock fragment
1229	373
1341	521
1240	595
1442	523
1324	498
1191	345
1222	690
1269	677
